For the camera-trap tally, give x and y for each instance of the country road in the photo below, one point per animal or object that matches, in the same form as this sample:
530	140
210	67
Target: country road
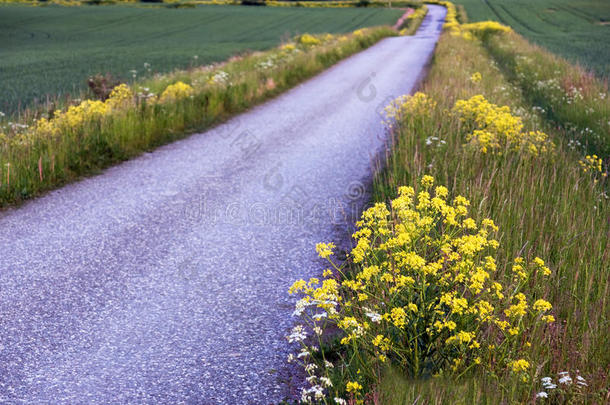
164	279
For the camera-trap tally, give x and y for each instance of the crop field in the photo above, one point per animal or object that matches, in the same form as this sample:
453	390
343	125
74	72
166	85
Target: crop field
578	31
53	50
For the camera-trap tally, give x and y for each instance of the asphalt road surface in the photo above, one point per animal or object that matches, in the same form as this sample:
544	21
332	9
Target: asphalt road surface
164	279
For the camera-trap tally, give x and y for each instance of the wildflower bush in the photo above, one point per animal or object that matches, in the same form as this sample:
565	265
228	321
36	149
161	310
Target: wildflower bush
424	296
75	117
176	92
593	165
415	105
563	390
481	29
545	205
308	39
496	130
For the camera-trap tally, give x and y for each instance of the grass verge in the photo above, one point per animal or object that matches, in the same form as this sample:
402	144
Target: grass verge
566	95
416	327
51	148
576	31
546	206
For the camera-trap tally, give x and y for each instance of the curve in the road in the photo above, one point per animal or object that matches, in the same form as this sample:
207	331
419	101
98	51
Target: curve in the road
164	280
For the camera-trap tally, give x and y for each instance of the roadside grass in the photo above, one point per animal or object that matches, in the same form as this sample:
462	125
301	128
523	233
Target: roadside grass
546	206
49	52
533	185
577	31
567	95
49	148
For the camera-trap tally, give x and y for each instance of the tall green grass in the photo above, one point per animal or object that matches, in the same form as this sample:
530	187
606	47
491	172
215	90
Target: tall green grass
545	206
567	95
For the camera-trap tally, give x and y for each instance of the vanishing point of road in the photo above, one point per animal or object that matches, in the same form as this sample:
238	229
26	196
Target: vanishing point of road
164	279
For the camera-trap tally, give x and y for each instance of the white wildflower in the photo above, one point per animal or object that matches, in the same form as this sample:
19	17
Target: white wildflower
300	306
305	398
547	383
298	334
326	381
375	317
221	77
565	379
317	391
319	316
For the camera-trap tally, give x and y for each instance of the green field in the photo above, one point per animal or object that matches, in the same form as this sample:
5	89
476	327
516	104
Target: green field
576	30
53	50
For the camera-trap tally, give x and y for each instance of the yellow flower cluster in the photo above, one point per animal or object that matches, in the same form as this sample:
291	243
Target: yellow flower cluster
406	105
353	386
325	249
483	28
594	165
496	130
591	163
519	366
176	92
288	47
309	40
426	294
468	31
76	116
120	97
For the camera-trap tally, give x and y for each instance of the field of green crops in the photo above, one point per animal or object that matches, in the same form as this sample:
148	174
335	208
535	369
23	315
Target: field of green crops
53	50
579	31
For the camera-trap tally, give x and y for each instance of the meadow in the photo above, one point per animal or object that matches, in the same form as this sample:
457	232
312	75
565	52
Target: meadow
578	31
52	50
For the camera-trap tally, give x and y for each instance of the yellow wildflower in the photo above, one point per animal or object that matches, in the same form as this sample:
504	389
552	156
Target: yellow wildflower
548	318
353	387
520	365
427	181
175	92
542	306
325	250
398	316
